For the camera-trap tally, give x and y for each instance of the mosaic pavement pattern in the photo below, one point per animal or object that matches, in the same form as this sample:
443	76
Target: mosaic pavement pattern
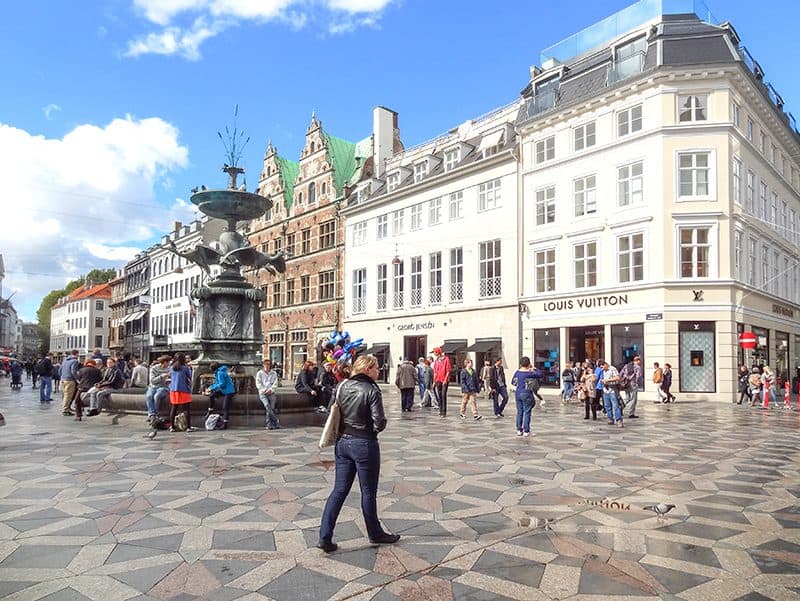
92	510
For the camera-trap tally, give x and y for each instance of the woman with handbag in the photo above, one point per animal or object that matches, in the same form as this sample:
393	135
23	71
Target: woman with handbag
180	391
526	379
357	452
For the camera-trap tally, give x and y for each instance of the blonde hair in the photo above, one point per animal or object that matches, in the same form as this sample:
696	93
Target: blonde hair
363	363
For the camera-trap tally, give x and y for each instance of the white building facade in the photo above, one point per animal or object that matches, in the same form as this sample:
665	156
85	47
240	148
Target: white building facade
660	208
80	321
431	255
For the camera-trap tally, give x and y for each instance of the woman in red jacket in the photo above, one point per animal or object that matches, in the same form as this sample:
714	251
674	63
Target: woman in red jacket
441	379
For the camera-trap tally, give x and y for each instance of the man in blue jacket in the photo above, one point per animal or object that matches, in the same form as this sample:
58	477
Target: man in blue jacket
470	384
222	387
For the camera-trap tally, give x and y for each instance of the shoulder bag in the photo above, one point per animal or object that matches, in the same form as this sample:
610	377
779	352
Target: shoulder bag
330	431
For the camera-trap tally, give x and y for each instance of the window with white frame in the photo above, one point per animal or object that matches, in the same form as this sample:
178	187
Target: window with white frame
695	250
630	257
750	129
398	284
420	171
752	260
360	290
735	114
392	181
490	281
630	184
489	195
738	253
693	107
397	222
776	268
456	274
773	209
736	188
546	205
545	150
774	155
751	193
451	158
764	266
694	174
416	217
382	227
359	233
785	277
762	142
584	136
584	261
381	286
435	211
763	198
435	277
629	120
416	281
544	266
456	205
792	226
584	194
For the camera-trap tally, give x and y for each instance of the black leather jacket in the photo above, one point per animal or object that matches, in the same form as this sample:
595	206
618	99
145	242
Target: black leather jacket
362	407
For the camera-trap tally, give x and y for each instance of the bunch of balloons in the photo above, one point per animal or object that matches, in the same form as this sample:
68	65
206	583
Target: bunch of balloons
340	350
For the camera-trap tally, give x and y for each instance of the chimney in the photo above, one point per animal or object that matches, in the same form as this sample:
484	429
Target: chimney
384	124
177	226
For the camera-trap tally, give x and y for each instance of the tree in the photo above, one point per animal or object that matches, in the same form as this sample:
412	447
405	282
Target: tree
96	276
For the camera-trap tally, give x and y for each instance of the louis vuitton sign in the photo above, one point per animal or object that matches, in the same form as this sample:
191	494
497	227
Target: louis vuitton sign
591	302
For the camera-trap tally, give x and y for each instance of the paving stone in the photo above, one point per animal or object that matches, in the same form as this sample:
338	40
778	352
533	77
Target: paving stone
145	579
300	584
66	594
675	581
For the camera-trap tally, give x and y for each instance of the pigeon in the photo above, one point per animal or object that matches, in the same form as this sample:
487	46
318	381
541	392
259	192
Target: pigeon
194	190
661	509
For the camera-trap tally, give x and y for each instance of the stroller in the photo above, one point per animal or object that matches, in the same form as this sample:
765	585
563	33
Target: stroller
16	376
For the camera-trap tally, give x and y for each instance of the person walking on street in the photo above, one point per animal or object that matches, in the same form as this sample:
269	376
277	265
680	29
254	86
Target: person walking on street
69	376
590	393
441	379
486	376
421	379
498	389
524	381
658	379
610	382
666	383
56	375
406	382
429	399
568	381
266	383
635	379
44	369
744	384
470	384
357	451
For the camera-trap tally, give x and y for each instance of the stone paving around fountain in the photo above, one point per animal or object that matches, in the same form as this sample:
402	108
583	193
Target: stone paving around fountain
92	510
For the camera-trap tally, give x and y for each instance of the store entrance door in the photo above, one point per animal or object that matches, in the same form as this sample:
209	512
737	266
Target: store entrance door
586	343
415	347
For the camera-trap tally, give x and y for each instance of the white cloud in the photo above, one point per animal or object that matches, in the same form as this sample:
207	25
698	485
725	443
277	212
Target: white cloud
83	201
186	24
49	110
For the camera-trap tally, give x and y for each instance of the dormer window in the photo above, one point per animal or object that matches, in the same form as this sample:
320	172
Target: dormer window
452	158
628	60
420	171
491	143
544	97
392	181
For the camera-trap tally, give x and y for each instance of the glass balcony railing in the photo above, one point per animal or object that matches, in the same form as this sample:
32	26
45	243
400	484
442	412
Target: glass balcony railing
625	68
540	103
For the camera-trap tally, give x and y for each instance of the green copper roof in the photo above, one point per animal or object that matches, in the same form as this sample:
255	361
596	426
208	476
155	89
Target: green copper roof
289	170
342	155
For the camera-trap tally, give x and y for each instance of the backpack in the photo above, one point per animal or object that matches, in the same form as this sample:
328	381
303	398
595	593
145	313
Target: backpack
181	423
625	377
213	421
532	384
42	368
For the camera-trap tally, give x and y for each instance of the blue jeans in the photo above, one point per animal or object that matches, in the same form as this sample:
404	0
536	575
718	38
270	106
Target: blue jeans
569	387
360	456
153	397
268	400
499	392
45	388
524	408
421	391
611	402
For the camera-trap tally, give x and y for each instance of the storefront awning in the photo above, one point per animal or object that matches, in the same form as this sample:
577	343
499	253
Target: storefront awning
134	316
484	346
490	140
378	347
454	346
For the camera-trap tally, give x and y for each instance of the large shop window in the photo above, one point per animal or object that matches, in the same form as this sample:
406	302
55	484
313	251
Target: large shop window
782	355
761	352
697	356
586	344
627	342
545	355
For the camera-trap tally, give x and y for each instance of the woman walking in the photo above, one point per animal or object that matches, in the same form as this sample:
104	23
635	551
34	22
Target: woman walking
180	391
525	379
744	384
357	452
590	396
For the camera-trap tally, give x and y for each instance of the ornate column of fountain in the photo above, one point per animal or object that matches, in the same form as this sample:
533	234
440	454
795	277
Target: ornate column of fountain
228	325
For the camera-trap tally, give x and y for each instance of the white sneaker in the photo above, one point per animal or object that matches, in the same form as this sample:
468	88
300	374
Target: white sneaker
526	434
519	432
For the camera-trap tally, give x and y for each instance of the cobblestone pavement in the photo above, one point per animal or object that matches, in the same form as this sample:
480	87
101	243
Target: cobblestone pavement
93	510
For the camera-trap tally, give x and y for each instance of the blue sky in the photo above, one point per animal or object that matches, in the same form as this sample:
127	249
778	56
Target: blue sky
110	108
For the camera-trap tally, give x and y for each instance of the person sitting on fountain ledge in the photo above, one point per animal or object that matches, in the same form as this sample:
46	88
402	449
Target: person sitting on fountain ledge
222	387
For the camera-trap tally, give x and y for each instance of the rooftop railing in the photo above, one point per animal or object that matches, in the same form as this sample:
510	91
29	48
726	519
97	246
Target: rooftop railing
540	103
767	88
625	68
622	22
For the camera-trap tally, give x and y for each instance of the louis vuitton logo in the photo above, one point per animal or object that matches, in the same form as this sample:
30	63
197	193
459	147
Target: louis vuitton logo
698	295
